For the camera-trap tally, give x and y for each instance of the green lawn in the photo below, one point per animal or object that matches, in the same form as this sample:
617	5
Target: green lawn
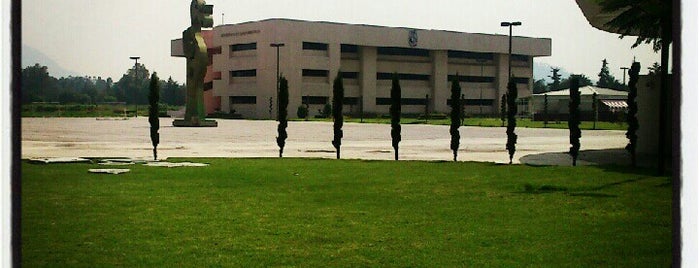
309	212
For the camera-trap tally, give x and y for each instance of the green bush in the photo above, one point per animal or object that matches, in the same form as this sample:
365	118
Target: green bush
302	111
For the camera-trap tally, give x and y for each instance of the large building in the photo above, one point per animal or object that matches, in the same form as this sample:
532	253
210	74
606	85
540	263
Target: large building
244	66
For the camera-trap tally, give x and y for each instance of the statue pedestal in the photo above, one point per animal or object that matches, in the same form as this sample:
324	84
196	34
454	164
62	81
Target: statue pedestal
204	123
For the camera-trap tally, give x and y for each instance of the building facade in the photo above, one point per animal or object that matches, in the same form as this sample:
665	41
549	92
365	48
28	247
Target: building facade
244	66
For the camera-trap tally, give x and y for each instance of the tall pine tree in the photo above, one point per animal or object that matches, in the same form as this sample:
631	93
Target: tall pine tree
153	111
282	114
338	97
395	114
456	115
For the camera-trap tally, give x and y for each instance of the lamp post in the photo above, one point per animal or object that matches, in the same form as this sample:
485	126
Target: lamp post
509	64
135	92
624	68
277	45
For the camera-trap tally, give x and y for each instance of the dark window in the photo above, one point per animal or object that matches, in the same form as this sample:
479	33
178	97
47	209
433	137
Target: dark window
523	58
243	47
315	46
389	76
475	102
399	51
315	73
470	55
244	73
473	79
314	100
350	101
344	48
403	101
521	80
243	99
350	75
208	85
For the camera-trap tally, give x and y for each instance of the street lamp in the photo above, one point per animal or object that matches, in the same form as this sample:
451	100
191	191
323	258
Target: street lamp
510	24
277	45
135	92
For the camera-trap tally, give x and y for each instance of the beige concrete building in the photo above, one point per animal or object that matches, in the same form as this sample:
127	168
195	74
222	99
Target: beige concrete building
366	56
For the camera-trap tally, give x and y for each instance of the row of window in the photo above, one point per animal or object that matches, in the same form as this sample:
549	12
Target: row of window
322	100
386	76
390	51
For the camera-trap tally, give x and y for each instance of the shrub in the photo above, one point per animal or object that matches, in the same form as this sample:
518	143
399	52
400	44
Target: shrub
456	115
302	111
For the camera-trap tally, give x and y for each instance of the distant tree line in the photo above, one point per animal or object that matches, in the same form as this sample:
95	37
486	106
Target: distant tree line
605	80
39	86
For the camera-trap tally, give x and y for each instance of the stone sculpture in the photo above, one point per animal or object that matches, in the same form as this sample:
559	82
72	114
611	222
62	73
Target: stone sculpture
195	51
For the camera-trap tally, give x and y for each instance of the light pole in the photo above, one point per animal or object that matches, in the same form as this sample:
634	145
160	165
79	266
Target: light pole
509	64
135	92
624	68
277	45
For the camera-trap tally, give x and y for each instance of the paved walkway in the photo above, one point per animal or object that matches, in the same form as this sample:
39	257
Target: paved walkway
90	137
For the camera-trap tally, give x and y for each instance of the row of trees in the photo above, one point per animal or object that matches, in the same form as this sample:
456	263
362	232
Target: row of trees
39	86
605	80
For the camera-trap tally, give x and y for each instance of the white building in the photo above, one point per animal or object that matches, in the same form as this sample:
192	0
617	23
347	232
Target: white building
366	56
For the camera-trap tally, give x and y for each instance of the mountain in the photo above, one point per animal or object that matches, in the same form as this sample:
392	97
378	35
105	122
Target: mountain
31	56
543	70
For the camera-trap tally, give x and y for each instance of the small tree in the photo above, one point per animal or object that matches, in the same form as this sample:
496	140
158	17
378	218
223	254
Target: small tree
338	98
455	115
282	114
546	109
395	114
503	109
556	78
427	107
302	111
574	119
511	120
594	110
633	110
153	113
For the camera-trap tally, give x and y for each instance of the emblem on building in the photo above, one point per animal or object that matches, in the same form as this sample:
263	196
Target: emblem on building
412	38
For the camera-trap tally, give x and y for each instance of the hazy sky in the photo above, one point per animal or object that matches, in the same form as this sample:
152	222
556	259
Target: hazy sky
96	37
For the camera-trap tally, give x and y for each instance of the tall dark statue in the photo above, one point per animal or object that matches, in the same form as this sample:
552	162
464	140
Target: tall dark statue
195	51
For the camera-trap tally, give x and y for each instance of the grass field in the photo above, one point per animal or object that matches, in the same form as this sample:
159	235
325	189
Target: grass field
308	212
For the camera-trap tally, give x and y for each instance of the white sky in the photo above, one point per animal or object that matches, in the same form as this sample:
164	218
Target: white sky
96	37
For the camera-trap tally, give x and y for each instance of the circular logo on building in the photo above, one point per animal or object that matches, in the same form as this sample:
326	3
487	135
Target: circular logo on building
412	38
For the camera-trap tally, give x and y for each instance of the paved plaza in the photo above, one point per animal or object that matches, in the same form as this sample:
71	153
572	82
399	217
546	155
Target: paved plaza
115	137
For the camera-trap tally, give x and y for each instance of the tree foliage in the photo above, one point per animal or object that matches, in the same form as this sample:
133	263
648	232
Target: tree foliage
574	119
556	79
456	115
582	81
503	109
282	114
511	118
39	86
546	110
395	111
606	79
338	99
540	86
153	112
632	118
645	19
